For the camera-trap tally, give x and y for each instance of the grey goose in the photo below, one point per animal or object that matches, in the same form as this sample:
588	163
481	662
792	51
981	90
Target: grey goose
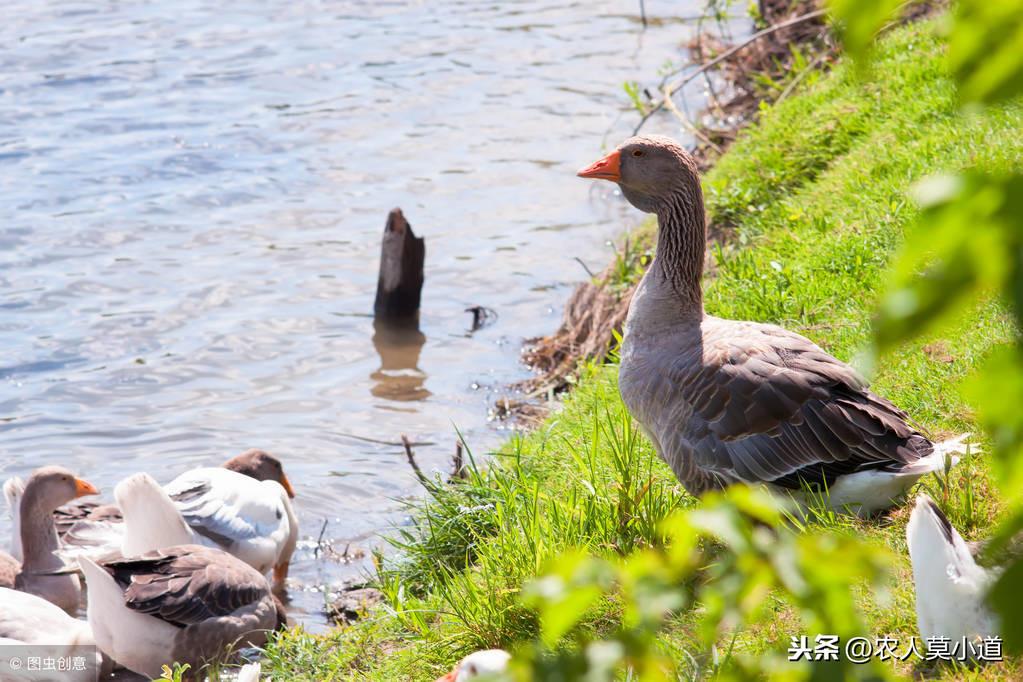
727	401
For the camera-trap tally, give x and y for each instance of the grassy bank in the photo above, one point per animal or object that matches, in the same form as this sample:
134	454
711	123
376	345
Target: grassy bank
813	204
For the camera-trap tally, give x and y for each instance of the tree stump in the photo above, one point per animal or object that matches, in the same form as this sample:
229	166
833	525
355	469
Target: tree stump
400	282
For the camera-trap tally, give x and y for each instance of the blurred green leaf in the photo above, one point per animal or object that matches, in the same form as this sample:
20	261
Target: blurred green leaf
942	266
858	22
997	393
563	596
1004	598
986	49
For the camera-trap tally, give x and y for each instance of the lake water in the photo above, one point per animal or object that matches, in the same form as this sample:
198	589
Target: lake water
192	198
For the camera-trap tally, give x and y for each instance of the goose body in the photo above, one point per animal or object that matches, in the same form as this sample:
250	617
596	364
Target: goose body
950	586
26	619
727	401
184	604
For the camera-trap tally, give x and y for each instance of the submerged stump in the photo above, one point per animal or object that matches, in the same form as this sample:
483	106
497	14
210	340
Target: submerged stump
400	282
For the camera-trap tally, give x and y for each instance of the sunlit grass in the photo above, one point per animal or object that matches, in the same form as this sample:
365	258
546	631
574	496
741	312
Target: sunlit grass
814	203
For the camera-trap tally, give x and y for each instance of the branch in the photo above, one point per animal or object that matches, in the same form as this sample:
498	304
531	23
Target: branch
725	55
415	465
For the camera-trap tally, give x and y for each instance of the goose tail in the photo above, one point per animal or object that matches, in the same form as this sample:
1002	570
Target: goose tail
151	521
947	453
14	489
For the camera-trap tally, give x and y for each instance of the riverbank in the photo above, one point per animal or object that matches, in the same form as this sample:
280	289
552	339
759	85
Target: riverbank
814	201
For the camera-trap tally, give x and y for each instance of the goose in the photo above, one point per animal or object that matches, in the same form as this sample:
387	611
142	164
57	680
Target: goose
489	663
26	619
254	463
951	587
188	604
243	507
726	401
47	488
253	520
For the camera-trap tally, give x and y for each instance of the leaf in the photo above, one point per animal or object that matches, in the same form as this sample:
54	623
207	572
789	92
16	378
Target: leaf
986	49
857	22
997	393
1004	598
965	242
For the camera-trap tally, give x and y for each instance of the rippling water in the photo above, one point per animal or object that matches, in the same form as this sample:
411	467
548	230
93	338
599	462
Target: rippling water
192	197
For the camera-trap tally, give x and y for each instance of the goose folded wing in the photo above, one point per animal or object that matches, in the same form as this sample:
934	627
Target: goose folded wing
769	405
188	584
224	518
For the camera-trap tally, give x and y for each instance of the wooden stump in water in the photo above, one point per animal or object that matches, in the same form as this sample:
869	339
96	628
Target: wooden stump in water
400	283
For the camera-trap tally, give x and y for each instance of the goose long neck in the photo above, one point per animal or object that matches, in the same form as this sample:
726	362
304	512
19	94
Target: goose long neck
38	532
681	244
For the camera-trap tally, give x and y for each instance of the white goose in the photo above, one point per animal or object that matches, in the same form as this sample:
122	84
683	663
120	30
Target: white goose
26	619
187	604
253	520
489	663
950	586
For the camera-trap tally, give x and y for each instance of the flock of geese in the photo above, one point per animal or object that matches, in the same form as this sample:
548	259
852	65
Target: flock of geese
174	573
179	573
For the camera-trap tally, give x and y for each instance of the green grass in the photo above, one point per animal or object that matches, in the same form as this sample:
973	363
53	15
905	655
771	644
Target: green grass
814	203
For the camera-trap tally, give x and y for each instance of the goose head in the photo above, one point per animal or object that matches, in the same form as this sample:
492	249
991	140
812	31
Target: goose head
651	171
262	466
50	487
479	664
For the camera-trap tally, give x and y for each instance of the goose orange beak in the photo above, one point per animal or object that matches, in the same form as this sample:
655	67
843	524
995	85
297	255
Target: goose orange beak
450	677
608	168
83	488
286	484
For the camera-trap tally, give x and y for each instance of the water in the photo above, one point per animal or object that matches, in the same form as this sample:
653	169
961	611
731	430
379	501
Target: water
193	195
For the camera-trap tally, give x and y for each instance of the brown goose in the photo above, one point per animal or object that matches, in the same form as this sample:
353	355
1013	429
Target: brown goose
47	488
726	401
187	604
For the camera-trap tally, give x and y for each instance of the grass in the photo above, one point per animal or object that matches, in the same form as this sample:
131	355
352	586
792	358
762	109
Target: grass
814	203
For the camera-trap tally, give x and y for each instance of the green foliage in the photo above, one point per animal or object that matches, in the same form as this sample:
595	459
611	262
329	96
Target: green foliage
968	245
632	91
731	555
986	49
857	22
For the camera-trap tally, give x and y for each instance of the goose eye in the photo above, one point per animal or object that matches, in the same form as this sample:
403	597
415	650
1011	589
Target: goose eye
637	152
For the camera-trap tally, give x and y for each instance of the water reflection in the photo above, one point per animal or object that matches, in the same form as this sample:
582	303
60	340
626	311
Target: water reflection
399	377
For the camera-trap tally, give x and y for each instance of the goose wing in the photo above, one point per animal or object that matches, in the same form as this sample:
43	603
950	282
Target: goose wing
770	405
227	507
187	584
